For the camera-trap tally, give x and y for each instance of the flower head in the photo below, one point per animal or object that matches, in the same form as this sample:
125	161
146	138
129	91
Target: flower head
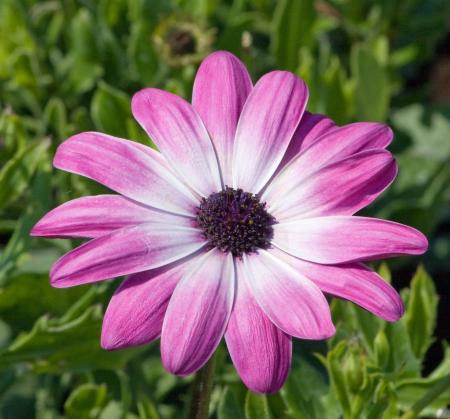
236	228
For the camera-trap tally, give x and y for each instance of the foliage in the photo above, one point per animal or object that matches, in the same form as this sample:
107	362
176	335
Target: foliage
68	66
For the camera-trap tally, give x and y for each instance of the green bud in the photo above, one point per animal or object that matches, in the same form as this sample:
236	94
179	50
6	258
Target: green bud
354	370
381	346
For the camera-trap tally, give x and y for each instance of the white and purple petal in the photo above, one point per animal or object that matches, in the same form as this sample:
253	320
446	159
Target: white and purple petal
268	121
125	251
341	188
177	130
129	168
198	313
221	87
260	351
290	300
351	281
136	311
94	216
340	239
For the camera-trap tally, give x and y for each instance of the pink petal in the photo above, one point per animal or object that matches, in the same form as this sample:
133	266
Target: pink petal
180	135
290	300
198	314
94	216
133	170
337	144
312	126
342	188
123	252
220	89
351	281
136	311
268	120
260	351
342	239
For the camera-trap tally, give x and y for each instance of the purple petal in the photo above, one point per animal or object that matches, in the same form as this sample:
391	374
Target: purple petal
342	188
340	239
268	120
220	89
260	351
337	144
198	314
133	170
312	126
95	216
136	311
351	281
180	135
291	301
123	252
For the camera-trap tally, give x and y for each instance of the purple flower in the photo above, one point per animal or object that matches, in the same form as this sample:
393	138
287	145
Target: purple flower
236	228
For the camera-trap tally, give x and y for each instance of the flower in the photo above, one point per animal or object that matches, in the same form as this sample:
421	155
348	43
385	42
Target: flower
237	228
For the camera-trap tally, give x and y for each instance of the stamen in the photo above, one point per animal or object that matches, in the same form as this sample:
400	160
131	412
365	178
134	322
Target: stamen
235	221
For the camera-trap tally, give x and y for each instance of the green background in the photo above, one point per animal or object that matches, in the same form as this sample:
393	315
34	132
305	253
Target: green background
68	66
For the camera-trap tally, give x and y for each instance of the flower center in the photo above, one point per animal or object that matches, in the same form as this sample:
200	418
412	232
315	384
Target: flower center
235	221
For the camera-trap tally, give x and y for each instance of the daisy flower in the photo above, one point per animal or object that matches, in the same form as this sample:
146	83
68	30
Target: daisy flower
236	228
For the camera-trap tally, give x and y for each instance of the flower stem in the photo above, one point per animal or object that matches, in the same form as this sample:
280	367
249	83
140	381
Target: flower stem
201	391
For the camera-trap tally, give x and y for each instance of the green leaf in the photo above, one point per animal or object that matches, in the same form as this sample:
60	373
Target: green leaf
256	406
52	346
421	312
16	174
372	91
110	108
293	22
303	391
229	406
86	401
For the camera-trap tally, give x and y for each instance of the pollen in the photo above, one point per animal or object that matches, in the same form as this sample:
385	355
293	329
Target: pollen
235	221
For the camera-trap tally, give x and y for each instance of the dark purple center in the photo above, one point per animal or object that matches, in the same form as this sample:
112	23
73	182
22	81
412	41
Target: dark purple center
235	221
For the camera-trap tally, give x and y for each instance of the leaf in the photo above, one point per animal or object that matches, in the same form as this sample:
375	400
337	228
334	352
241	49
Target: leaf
16	174
229	406
110	108
303	391
372	91
54	347
256	406
85	401
421	312
292	26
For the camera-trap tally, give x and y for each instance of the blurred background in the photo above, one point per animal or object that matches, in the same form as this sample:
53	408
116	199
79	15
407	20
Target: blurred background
68	66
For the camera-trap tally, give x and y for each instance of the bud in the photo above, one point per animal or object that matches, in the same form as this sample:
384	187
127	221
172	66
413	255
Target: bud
381	346
181	42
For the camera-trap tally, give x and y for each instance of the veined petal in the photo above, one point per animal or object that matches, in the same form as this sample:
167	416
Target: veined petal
94	216
136	311
198	314
291	301
221	87
311	127
351	281
180	135
133	170
341	239
337	144
268	120
260	351
342	188
123	252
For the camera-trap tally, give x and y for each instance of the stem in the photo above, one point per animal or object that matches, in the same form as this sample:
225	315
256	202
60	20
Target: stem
201	391
429	396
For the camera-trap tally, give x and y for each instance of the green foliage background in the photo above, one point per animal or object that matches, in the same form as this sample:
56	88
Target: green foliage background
68	66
